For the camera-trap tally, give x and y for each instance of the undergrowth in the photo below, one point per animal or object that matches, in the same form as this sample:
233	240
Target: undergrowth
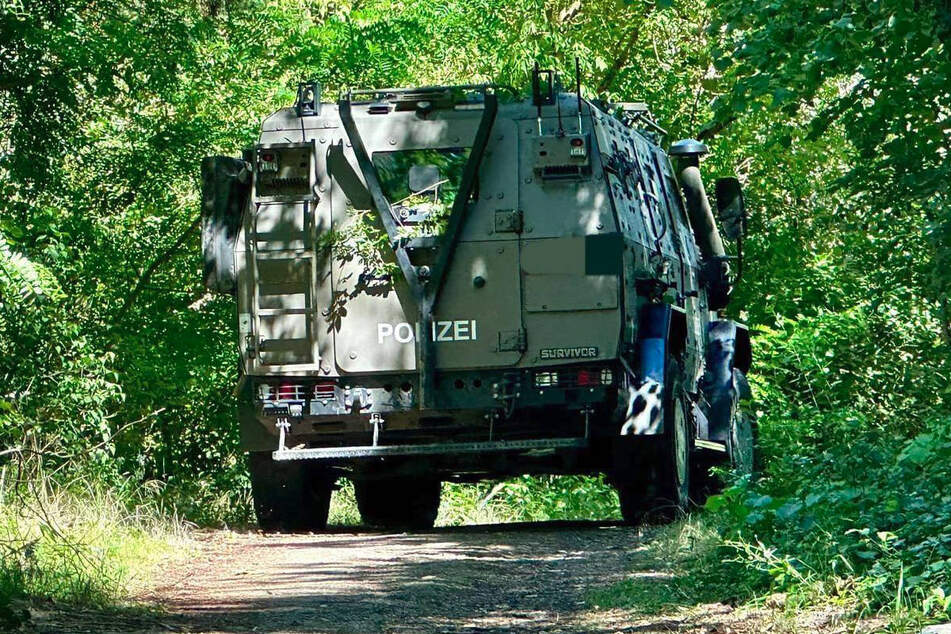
82	545
528	499
683	564
866	527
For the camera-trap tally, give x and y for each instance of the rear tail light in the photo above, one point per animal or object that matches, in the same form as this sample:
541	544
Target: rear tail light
287	392
546	379
575	377
283	392
291	392
324	390
587	378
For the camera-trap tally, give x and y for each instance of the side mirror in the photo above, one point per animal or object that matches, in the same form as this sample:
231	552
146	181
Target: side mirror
730	207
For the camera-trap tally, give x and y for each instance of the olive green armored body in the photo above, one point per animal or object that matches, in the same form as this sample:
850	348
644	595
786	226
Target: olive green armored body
455	283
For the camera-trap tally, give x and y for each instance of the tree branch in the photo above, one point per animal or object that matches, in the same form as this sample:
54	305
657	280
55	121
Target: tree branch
626	45
715	129
163	258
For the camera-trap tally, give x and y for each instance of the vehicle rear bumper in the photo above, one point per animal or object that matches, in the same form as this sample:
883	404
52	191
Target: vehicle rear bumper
431	449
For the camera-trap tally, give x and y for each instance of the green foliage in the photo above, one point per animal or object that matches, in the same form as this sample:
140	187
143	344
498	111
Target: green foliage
843	110
873	79
872	523
851	500
117	368
364	239
529	499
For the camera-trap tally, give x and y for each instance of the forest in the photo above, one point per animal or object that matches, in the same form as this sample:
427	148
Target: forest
117	368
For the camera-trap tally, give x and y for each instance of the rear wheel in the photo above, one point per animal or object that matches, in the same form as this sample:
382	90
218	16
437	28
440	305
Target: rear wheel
400	503
659	487
289	496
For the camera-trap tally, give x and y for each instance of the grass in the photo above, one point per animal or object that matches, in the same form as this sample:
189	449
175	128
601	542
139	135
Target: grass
679	565
88	547
686	565
343	506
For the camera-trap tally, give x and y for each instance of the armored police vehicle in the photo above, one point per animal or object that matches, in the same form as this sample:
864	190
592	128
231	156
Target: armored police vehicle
456	283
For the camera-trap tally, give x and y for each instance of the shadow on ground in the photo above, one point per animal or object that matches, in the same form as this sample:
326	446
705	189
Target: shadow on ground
506	578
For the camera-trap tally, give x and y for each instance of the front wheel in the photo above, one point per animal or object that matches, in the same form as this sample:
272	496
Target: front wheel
742	440
398	503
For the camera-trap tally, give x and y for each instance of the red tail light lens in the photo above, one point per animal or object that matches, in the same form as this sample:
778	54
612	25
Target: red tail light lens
324	390
587	378
291	392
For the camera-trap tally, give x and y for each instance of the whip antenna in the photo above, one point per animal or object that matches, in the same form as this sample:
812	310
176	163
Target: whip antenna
537	90
578	89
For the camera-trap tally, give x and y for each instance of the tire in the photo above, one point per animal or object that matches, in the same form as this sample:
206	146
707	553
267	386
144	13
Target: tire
289	496
398	503
662	490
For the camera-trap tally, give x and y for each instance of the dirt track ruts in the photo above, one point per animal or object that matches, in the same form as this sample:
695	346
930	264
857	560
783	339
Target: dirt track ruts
509	578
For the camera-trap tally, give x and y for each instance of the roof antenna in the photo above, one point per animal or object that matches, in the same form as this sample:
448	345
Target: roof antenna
546	99
536	90
578	89
561	129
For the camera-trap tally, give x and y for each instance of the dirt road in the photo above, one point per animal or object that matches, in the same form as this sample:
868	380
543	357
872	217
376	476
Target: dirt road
496	579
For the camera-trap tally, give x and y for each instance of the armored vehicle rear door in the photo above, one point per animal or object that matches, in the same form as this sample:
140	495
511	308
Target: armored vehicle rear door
482	285
279	330
420	162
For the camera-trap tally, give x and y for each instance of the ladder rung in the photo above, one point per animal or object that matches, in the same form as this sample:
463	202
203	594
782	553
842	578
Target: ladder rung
273	312
284	255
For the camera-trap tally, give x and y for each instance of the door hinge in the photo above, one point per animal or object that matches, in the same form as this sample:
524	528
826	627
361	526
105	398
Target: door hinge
508	220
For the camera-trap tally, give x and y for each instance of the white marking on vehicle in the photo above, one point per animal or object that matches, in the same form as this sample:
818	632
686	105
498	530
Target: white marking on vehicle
460	330
405	328
645	413
451	330
584	352
443	327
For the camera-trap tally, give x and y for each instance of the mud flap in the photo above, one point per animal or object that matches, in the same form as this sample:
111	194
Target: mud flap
728	349
660	335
